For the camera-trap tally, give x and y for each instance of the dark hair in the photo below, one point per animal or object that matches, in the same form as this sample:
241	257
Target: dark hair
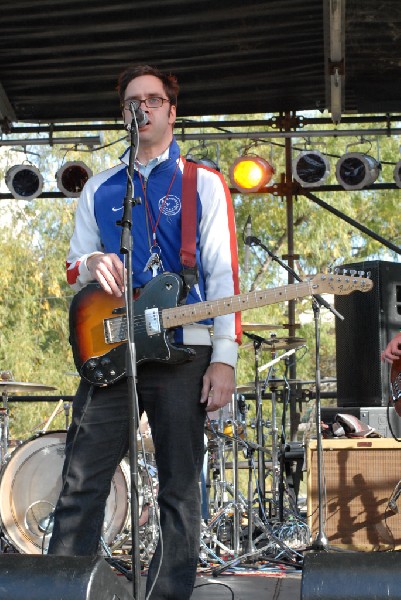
170	83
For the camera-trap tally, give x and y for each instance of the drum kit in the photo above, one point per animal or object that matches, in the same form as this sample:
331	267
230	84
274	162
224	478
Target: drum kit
252	503
249	508
31	480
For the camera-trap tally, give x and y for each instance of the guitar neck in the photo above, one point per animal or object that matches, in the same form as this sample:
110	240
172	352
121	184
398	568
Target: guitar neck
192	313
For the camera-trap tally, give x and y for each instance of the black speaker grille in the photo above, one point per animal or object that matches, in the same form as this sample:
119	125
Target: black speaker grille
370	320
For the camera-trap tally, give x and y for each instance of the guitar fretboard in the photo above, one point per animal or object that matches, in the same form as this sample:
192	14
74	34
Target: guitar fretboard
191	313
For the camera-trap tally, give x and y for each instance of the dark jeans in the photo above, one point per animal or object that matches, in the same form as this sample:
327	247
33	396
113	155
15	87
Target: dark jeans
170	396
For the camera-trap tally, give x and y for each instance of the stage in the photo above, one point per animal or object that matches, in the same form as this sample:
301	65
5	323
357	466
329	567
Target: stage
263	586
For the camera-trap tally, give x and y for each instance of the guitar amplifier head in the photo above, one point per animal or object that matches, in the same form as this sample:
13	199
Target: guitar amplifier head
360	499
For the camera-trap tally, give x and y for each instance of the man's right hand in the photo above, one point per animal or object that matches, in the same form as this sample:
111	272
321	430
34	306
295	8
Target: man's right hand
393	350
108	270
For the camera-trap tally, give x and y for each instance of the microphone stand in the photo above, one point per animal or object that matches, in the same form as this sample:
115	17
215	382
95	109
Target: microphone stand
320	542
126	249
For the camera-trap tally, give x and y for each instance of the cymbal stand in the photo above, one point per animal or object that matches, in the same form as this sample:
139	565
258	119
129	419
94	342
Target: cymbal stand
237	509
221	486
260	438
219	473
250	545
4	424
272	383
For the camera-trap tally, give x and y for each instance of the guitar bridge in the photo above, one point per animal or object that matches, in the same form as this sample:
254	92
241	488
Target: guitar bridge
115	330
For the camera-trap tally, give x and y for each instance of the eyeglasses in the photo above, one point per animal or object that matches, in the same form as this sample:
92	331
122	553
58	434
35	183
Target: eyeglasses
152	102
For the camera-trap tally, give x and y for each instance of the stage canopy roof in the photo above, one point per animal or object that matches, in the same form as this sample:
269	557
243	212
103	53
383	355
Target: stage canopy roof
59	60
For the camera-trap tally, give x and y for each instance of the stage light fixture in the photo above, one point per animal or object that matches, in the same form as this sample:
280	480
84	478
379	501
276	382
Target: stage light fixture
24	182
200	155
71	178
204	160
355	170
310	168
250	173
397	174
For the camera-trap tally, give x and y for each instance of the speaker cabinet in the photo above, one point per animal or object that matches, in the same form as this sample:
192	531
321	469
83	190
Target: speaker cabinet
351	576
371	319
361	478
45	577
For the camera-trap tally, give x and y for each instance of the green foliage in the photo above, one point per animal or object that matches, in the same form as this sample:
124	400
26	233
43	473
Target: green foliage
34	241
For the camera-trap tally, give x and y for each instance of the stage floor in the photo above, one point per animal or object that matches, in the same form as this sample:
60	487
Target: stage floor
241	586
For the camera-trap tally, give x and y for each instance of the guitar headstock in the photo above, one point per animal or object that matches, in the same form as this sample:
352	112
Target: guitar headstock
342	283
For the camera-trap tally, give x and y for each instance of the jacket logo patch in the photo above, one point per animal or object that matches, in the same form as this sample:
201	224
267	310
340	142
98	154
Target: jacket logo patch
170	206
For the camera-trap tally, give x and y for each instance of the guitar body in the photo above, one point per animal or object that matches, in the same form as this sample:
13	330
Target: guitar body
395	377
103	363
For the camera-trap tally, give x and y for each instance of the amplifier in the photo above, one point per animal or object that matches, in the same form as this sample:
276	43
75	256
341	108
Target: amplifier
360	493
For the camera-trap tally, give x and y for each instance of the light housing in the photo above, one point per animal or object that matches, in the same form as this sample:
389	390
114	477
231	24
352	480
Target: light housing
71	178
355	170
310	168
24	182
250	173
204	160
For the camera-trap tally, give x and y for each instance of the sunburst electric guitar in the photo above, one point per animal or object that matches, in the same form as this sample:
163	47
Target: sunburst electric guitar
98	325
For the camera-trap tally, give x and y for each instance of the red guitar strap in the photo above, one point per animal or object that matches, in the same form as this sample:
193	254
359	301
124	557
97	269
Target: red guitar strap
188	224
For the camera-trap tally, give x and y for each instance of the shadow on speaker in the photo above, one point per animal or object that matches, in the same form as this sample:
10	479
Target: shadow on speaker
351	576
43	577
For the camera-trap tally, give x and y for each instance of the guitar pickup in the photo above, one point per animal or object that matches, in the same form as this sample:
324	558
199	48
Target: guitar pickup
152	321
115	330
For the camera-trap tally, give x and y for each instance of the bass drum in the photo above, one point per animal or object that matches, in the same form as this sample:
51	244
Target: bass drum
30	484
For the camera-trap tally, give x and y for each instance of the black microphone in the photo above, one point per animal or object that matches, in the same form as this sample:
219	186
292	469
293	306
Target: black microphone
255	338
247	242
140	116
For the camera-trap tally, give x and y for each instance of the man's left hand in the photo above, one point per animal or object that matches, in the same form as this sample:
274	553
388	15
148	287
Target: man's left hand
218	386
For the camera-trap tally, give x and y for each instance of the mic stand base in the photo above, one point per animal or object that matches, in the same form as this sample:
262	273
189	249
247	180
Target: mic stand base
320	543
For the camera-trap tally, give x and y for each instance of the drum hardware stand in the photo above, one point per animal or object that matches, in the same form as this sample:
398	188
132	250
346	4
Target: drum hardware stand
4	424
251	551
250	545
281	486
257	342
272	383
280	453
223	485
213	539
237	512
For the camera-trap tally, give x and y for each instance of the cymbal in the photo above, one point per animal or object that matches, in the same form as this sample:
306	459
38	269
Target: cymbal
250	386
10	387
275	343
284	343
261	326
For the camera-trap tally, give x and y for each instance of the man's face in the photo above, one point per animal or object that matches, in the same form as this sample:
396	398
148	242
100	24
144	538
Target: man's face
157	133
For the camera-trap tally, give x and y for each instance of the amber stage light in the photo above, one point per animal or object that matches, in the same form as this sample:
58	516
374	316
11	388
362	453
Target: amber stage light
250	173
